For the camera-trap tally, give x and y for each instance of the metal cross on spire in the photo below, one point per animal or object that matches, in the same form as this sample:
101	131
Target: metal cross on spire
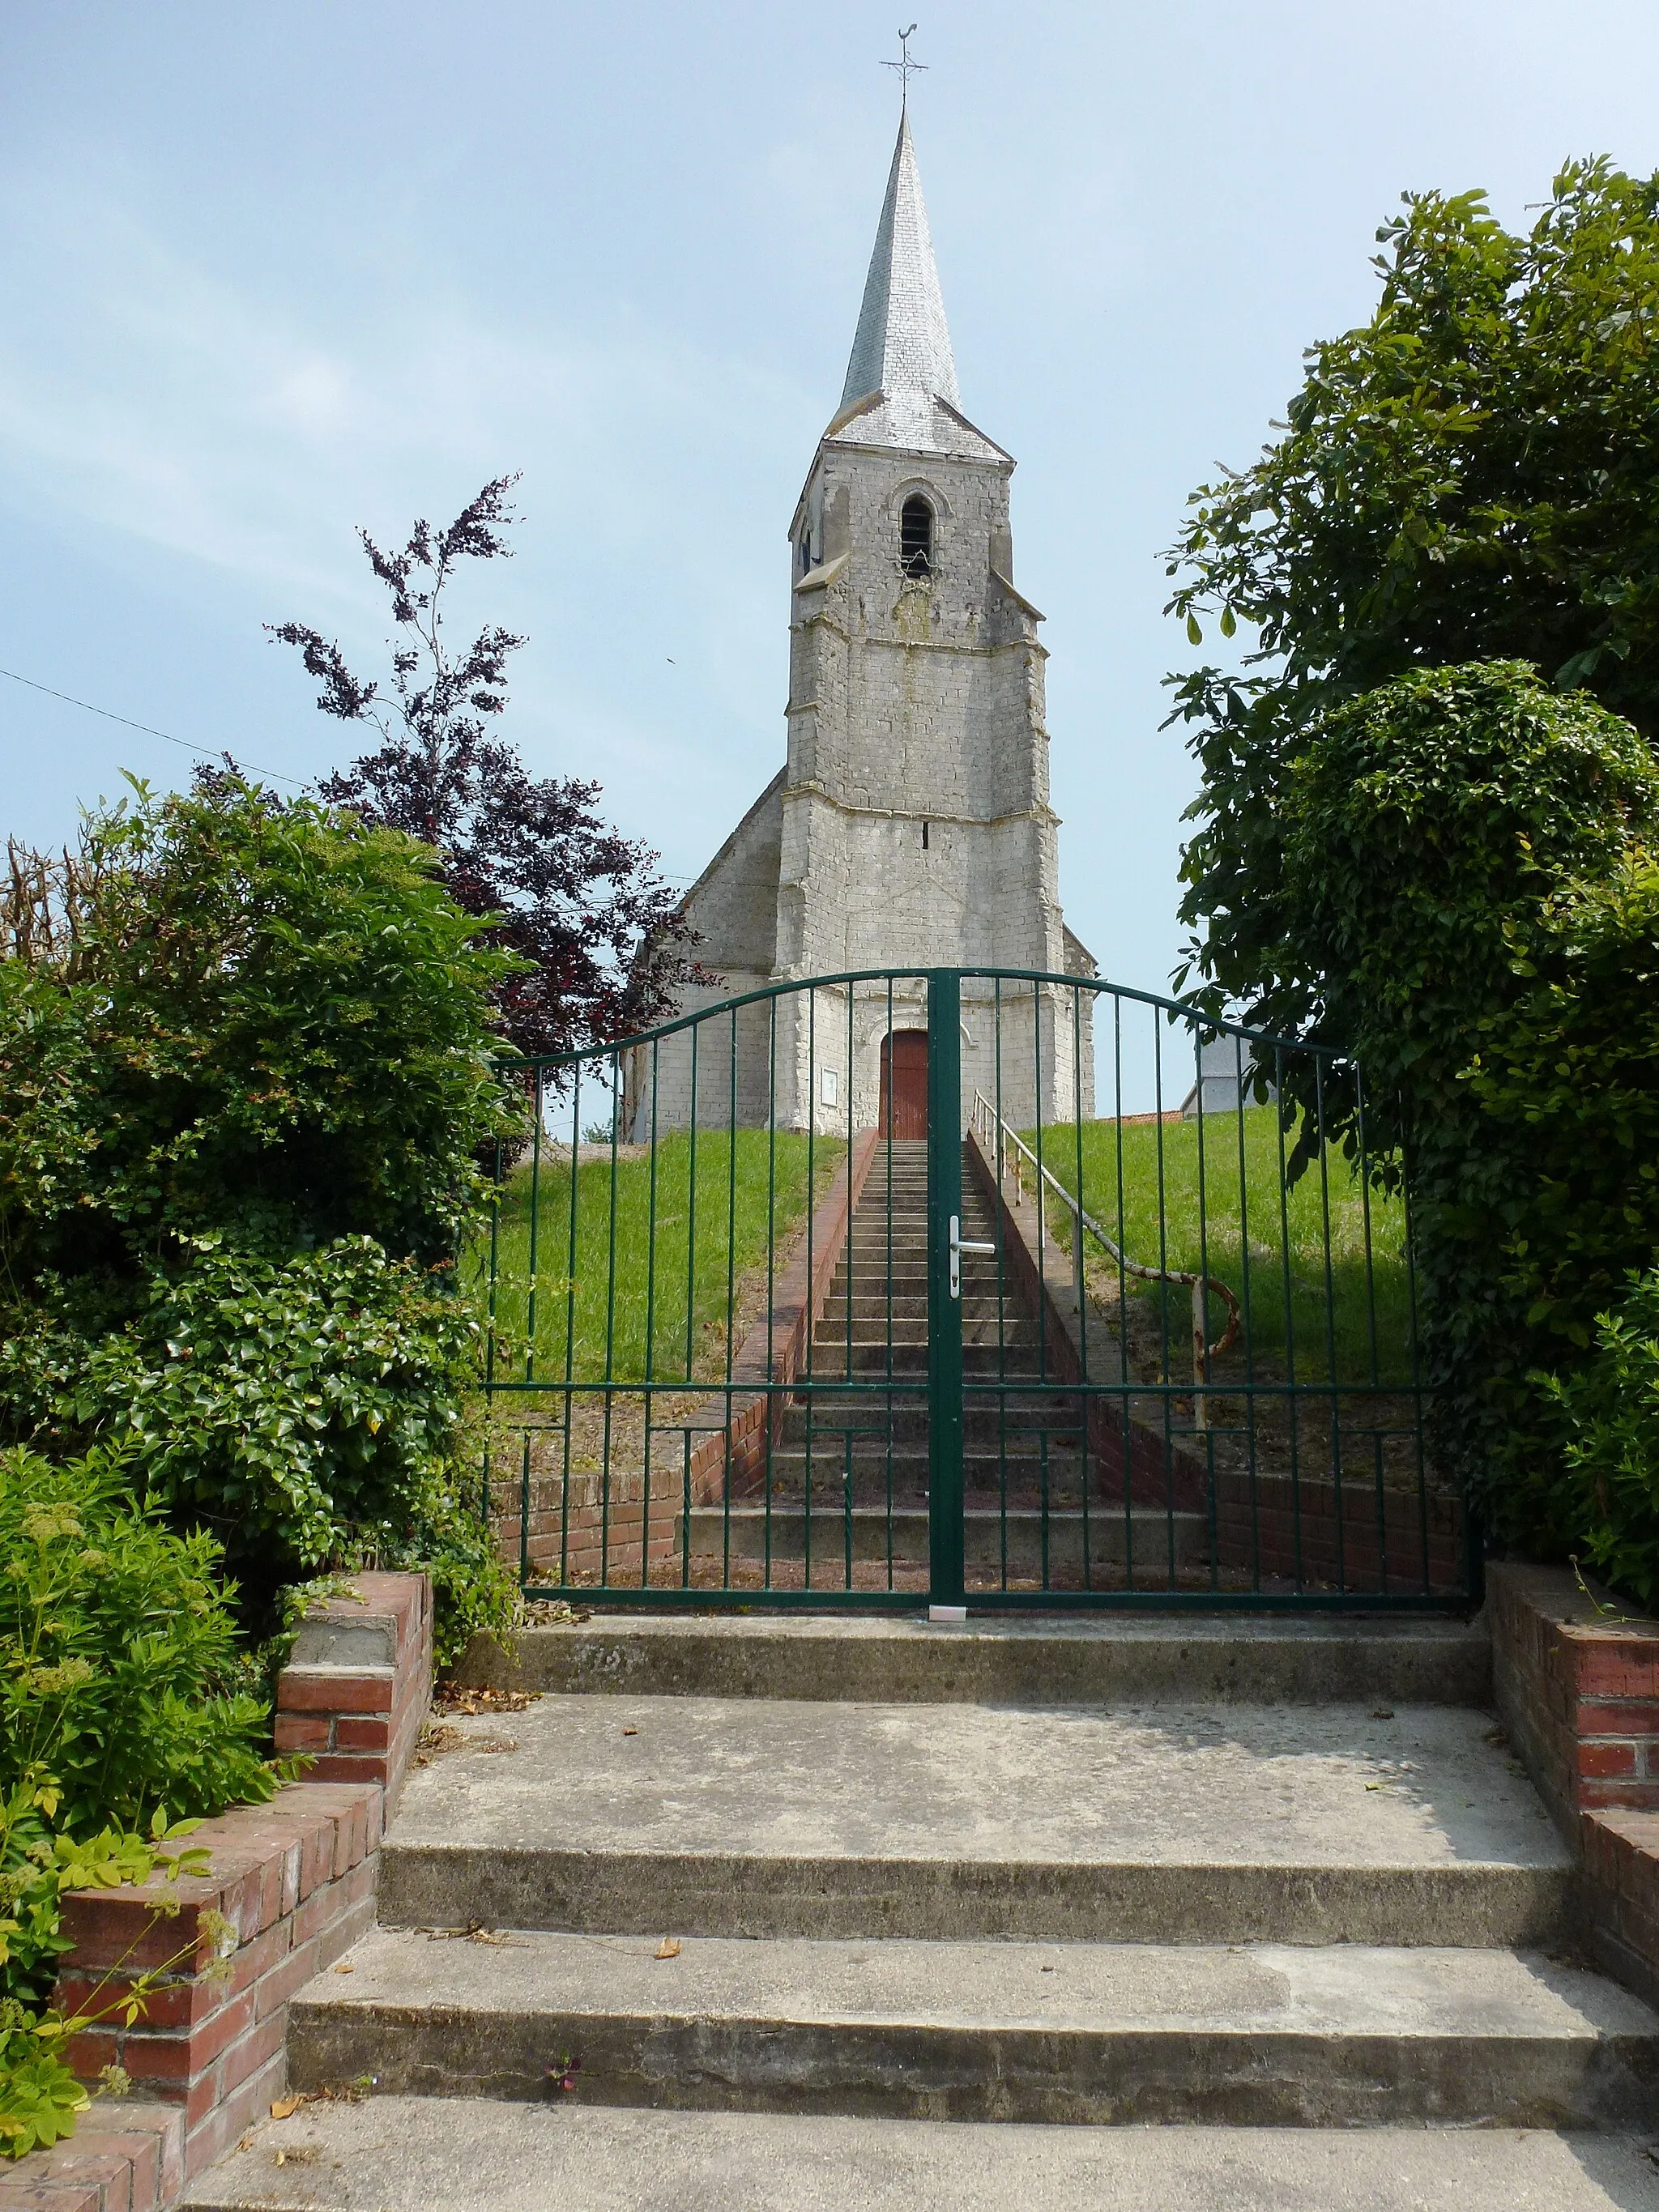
906	68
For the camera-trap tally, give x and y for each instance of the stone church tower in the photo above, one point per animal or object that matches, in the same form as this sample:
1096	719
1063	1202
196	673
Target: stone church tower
910	824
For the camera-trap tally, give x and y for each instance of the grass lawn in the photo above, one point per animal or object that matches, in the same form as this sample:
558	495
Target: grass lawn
654	1259
1142	1184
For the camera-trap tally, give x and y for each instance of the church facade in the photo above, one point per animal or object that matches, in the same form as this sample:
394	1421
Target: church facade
910	826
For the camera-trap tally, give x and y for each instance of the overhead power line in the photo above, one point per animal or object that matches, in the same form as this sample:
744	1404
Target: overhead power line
126	720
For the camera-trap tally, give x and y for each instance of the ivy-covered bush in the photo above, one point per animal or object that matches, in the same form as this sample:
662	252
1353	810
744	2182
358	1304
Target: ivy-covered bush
1465	870
245	1076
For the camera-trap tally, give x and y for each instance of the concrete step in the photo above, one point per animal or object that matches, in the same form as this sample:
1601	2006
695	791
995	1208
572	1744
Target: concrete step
982	1362
1102	2033
1166	1823
1083	1661
460	2155
992	1420
874	1293
988	1537
1020	1450
981	1327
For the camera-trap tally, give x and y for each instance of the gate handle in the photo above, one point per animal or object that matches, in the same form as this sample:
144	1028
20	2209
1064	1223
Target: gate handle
957	1248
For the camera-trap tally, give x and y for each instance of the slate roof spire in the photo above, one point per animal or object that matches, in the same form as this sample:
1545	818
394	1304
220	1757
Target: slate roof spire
903	344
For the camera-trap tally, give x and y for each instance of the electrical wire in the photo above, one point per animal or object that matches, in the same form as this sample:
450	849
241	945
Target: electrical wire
205	751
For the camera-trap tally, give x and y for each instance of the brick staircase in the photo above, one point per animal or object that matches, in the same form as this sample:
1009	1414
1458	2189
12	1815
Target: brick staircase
1192	1914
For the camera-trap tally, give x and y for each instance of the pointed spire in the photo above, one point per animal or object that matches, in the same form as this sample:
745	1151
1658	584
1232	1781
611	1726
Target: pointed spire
903	343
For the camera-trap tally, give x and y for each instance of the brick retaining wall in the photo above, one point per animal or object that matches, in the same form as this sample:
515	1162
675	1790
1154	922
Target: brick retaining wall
1578	1691
1576	1678
289	1886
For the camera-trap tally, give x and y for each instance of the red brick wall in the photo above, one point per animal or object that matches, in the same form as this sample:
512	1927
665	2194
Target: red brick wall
1578	1691
1576	1684
289	1886
358	1683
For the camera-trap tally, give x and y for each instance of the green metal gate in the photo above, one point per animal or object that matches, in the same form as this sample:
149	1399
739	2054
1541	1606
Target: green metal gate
775	1318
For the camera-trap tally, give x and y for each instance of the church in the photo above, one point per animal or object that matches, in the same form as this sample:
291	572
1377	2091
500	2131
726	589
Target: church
910	826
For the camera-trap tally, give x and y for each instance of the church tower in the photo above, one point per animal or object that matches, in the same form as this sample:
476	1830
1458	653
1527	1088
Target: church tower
910	825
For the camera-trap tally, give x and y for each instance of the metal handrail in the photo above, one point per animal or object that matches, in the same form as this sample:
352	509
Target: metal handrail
985	1116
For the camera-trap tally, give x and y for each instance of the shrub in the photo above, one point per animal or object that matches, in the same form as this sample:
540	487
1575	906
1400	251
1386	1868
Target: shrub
121	1675
1464	868
124	1705
245	1076
1611	1408
280	1401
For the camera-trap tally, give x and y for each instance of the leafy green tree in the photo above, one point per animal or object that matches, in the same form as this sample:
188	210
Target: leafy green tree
1472	475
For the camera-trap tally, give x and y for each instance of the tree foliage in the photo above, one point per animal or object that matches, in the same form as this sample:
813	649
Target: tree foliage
601	943
246	1067
1472	475
1464	872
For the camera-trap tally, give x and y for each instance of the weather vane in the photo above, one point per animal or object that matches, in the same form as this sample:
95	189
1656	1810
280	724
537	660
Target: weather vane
906	68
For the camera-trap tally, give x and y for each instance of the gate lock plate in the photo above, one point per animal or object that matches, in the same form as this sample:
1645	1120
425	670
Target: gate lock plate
957	1248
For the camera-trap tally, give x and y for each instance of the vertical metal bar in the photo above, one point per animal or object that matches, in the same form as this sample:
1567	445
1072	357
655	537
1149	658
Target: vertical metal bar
1201	1421
887	1148
1330	1324
685	1510
811	1130
1002	1294
1373	1376
490	1331
570	1325
852	1283
1249	1336
691	1212
524	1514
650	1325
1201	1289
610	1342
1292	1401
1080	1282
1126	1420
535	1225
772	1404
945	1422
1165	1370
731	1296
1472	1563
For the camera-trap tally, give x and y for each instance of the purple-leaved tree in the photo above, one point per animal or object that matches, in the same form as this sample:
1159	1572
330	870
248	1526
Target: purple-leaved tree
606	945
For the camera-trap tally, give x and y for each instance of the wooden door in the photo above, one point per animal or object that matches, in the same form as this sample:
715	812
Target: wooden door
905	1084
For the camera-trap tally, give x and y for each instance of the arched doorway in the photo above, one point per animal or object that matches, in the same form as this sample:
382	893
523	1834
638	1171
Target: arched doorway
905	1084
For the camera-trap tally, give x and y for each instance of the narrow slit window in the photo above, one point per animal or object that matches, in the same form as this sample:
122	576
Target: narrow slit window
916	536
924	827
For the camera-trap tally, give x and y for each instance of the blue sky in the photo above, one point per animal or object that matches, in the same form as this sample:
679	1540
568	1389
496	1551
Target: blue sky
269	274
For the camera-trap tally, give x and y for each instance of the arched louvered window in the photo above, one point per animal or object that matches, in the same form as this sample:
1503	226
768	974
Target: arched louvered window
916	536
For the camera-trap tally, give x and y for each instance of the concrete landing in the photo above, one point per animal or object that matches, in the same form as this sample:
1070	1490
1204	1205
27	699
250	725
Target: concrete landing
1163	1824
411	2155
1119	1658
1102	2033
